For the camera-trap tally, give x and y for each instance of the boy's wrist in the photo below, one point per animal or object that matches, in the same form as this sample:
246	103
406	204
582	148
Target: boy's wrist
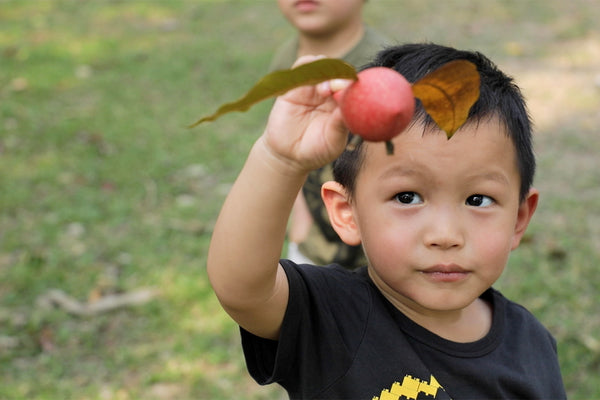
278	163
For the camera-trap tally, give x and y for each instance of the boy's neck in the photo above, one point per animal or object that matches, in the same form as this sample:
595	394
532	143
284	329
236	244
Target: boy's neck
473	323
335	45
462	326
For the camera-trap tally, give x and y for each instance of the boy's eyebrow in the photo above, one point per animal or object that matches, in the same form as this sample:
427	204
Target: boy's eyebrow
406	170
492	176
399	170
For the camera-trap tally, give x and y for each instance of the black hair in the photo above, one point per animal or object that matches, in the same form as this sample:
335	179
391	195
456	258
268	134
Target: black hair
499	97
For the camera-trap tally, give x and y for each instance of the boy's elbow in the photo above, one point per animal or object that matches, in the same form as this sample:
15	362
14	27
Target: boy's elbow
217	279
254	301
235	289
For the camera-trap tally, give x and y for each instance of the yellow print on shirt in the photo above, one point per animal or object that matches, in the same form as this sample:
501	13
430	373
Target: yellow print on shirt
410	388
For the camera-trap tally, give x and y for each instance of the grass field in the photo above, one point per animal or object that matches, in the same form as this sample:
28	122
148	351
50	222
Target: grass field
104	190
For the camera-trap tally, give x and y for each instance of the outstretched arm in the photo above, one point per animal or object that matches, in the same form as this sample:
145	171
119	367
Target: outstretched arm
304	132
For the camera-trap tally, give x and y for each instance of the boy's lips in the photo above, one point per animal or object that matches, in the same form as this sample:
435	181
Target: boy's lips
306	5
446	273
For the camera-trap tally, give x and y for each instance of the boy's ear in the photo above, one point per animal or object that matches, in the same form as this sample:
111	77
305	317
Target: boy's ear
340	212
526	210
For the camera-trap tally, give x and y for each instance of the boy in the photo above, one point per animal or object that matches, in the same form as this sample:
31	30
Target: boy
334	28
437	221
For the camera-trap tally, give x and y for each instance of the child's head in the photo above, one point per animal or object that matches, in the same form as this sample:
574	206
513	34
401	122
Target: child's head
499	98
438	218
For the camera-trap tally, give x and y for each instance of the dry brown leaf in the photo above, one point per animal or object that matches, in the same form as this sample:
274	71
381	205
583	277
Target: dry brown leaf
448	93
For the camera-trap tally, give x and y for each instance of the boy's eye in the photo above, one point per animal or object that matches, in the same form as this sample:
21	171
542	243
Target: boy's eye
408	198
479	200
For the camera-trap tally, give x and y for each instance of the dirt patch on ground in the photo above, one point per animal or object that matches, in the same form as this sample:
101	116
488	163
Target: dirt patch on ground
563	94
564	86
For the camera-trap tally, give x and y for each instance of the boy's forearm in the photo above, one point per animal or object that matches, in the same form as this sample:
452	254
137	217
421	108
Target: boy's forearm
305	130
250	231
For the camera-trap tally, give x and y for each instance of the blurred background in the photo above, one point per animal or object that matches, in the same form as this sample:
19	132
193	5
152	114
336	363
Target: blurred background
107	200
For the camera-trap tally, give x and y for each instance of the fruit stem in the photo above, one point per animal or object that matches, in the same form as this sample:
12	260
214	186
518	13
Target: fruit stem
389	148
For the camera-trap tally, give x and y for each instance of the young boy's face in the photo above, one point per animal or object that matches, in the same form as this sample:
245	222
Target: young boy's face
439	217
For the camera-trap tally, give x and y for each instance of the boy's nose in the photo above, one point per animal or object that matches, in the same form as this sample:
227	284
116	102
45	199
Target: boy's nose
444	230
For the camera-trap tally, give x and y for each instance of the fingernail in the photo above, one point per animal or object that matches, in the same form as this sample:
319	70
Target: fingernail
339	84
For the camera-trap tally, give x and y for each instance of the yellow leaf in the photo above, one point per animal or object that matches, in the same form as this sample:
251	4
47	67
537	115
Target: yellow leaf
279	82
448	93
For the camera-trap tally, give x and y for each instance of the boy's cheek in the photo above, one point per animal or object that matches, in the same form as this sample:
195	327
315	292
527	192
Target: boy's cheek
388	249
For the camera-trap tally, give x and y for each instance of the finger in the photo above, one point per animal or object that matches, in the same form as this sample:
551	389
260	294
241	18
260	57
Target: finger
336	122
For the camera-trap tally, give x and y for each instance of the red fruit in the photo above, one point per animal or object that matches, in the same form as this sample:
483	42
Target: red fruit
378	106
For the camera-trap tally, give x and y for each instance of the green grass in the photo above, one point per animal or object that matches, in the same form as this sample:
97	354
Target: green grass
102	182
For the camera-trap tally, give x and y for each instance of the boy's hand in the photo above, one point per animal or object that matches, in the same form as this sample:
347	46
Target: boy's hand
305	129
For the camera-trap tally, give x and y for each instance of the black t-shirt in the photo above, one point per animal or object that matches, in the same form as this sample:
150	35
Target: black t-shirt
341	339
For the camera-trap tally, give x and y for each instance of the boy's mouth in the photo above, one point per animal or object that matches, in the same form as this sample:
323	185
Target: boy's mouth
446	273
306	5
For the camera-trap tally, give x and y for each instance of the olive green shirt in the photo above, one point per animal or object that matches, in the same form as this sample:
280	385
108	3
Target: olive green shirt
322	245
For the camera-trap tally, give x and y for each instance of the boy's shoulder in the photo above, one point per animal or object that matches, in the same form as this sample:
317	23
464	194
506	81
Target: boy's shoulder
371	43
329	281
518	318
328	292
285	55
